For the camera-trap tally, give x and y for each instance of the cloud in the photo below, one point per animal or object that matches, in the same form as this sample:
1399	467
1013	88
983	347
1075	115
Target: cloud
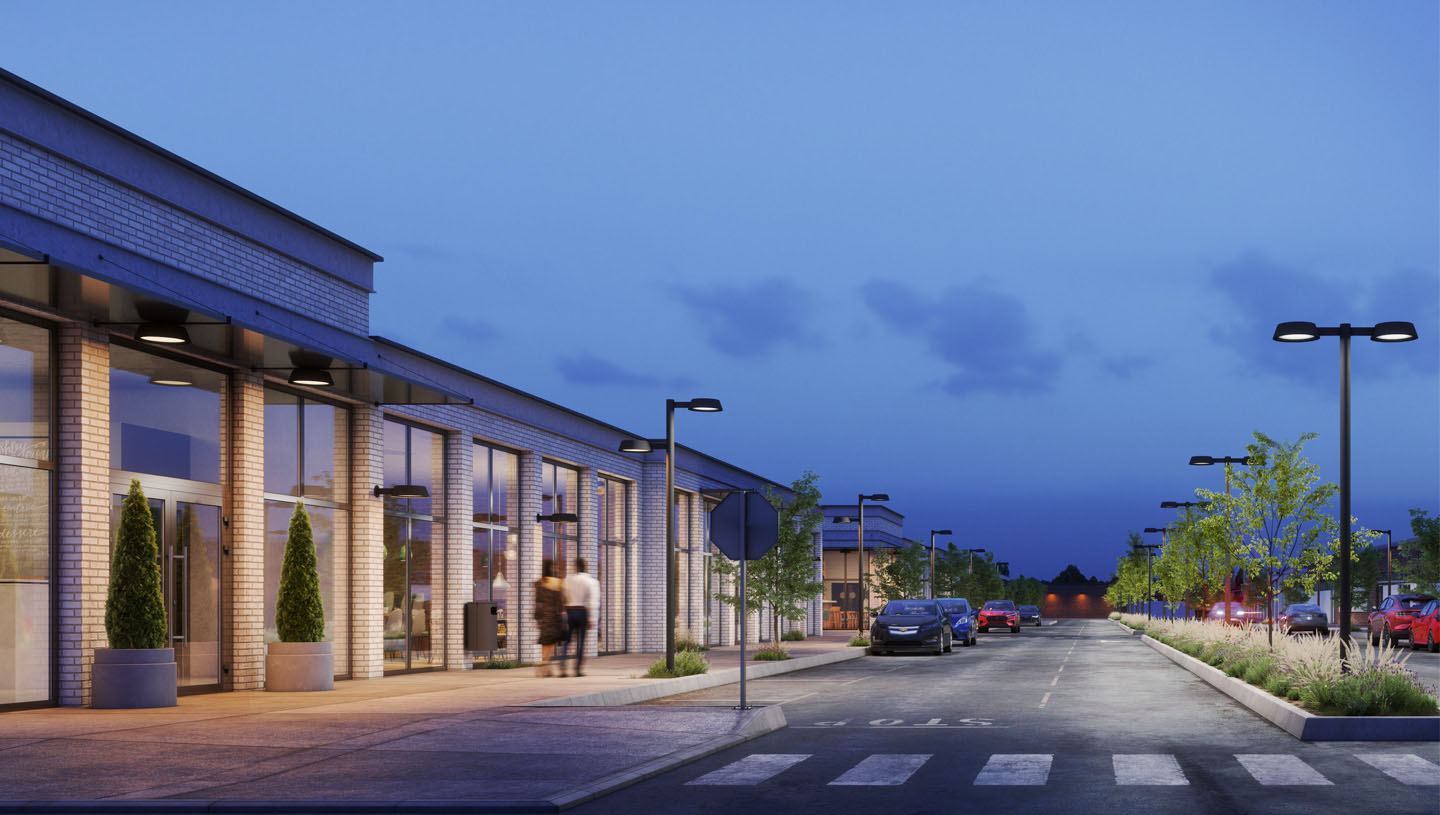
1120	366
751	320
1262	293
983	336
587	369
470	329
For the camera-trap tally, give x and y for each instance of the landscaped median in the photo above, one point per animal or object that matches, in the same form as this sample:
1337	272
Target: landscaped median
1298	684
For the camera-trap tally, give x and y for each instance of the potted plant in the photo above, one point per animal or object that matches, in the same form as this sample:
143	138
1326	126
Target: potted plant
137	670
302	660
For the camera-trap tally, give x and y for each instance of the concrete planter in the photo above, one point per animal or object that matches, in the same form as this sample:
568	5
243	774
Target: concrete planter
133	677
299	666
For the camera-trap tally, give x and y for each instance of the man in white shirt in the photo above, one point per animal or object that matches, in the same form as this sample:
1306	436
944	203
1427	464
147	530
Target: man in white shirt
582	609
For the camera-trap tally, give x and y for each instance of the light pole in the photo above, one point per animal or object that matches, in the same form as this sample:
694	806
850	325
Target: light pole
1150	580
699	405
1205	461
860	545
1298	331
933	533
1389	586
1187	505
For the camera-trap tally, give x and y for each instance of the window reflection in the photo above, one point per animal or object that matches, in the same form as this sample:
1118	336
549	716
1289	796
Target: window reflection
164	429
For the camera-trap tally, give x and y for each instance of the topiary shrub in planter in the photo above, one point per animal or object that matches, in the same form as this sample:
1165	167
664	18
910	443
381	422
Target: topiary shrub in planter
138	669
302	660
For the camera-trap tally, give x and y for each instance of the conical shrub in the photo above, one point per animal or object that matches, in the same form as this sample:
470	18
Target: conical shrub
135	605
299	611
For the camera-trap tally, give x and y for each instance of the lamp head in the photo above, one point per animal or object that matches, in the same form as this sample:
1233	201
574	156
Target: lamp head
1394	331
635	446
1296	331
162	333
1201	461
879	496
1169	505
941	532
314	377
704	405
1156	529
403	491
844	519
559	518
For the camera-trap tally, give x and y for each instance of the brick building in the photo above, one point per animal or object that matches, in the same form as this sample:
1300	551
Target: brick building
161	324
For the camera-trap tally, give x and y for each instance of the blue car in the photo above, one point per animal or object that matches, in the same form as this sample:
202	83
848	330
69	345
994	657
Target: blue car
962	618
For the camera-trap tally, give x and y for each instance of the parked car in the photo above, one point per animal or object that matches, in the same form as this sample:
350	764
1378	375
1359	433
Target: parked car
910	625
962	618
1239	614
1029	615
997	613
1304	617
1425	628
1393	617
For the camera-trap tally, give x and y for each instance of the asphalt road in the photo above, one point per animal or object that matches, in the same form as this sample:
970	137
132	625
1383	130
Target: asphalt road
1074	717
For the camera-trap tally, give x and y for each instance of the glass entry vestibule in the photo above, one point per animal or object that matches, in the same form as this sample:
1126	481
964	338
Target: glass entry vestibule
414	559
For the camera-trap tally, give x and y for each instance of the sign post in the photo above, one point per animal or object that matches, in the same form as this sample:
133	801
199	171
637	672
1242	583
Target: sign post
754	531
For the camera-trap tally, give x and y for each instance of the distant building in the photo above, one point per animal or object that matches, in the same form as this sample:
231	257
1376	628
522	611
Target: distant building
884	529
1078	600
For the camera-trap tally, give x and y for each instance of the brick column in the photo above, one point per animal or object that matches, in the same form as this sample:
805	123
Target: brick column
814	621
367	543
699	603
650	559
459	545
529	554
82	516
244	575
632	568
589	506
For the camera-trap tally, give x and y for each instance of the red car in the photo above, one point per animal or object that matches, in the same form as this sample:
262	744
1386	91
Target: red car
1425	628
1393	618
997	613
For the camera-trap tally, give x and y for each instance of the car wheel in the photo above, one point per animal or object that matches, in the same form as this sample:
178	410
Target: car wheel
1394	639
1374	639
949	644
875	652
1015	629
1414	641
1433	647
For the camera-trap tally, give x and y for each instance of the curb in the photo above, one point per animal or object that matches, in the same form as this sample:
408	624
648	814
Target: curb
1298	722
1128	630
661	688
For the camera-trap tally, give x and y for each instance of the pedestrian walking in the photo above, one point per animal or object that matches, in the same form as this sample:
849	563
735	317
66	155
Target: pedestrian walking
549	616
582	609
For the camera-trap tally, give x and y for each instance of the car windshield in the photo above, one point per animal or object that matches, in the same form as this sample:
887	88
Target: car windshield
1303	608
1414	602
1030	609
910	608
954	608
1000	605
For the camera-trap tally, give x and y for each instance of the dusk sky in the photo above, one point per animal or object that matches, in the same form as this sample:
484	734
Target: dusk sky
1011	263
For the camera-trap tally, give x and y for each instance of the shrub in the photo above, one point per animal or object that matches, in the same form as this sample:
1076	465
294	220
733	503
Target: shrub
685	642
1114	615
299	611
859	642
687	663
793	635
1385	690
499	664
135	605
771	654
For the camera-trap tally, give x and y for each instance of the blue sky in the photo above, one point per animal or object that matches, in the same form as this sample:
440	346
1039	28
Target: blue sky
1011	263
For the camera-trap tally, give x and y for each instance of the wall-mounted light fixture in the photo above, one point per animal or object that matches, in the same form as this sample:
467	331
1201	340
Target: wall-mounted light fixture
312	377
559	518
402	491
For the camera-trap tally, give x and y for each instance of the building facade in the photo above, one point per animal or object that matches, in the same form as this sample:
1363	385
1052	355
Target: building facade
840	600
161	325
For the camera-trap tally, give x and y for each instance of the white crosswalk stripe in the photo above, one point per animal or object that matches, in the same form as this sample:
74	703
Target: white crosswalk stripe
1015	770
1281	770
1405	768
882	770
1155	769
750	770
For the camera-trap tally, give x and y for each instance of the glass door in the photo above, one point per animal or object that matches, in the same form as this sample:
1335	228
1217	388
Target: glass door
409	598
610	574
187	531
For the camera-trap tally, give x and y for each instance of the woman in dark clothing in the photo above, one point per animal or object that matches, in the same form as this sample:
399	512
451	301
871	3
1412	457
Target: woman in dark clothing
549	616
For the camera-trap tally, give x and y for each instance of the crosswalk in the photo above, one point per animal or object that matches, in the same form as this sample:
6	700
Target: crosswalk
1033	769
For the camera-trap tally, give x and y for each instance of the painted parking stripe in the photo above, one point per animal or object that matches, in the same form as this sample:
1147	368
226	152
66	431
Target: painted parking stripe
1015	770
1148	770
882	770
1405	768
1281	771
750	770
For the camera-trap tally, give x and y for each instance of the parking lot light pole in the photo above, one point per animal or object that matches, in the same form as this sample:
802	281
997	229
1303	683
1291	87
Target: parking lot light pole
1187	505
1205	461
699	405
1388	546
1149	579
1298	331
933	533
860	542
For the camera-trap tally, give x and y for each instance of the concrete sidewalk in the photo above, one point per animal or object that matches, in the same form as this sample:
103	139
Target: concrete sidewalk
437	742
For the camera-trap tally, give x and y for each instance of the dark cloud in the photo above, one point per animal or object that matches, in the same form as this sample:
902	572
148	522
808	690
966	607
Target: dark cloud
1121	366
1262	293
751	320
466	328
587	369
983	336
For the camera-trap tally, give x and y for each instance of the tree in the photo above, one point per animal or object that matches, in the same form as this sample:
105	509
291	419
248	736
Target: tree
985	579
299	610
1424	571
1071	574
784	579
135	605
1025	591
1280	507
951	579
900	573
1365	577
1129	585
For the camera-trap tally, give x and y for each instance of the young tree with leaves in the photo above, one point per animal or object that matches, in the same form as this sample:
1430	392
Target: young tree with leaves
899	573
135	605
1425	569
784	579
299	610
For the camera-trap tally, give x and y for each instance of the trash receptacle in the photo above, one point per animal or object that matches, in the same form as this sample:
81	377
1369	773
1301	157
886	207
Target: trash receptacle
481	622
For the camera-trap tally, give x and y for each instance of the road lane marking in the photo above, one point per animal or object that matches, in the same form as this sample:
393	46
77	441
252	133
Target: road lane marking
1281	771
1406	768
1148	770
750	770
1053	681
1044	700
882	770
1015	770
1062	669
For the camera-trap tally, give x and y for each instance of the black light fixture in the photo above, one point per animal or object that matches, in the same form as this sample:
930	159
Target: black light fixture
170	381
1185	504
559	518
640	445
1205	461
402	491
1149	575
933	533
1393	331
313	377
162	333
702	405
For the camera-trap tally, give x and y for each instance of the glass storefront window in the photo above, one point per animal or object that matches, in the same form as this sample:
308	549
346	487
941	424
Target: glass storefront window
613	569
497	498
559	492
164	416
414	562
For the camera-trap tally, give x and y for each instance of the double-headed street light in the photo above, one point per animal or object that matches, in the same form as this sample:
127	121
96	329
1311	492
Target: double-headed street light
933	533
1149	580
1297	331
700	405
1244	461
1388	546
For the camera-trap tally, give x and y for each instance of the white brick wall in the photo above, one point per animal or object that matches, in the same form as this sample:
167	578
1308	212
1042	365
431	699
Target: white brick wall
244	592
367	548
459	579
